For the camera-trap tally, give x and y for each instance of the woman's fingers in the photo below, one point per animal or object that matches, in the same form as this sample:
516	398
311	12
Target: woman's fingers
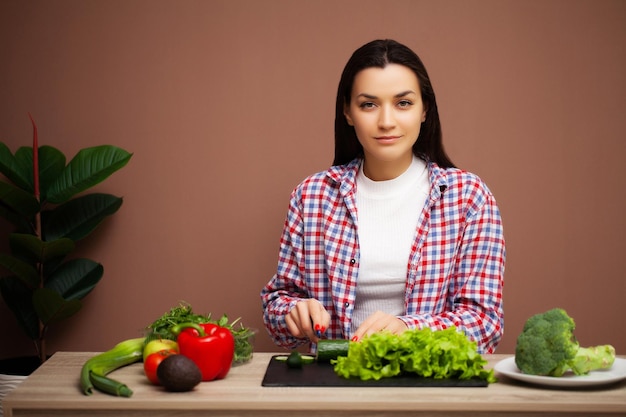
319	318
292	326
377	322
308	318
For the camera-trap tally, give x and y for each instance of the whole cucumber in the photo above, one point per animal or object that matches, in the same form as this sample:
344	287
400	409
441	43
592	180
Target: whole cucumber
331	349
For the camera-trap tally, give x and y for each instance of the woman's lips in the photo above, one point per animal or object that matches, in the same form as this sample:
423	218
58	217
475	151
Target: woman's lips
386	139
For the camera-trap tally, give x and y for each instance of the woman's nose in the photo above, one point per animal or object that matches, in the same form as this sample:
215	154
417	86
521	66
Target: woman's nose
386	118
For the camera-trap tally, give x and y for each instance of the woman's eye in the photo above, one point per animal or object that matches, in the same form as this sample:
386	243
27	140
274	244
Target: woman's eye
405	103
366	105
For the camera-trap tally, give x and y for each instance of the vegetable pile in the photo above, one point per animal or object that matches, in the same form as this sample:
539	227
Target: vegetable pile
547	346
162	328
440	354
210	348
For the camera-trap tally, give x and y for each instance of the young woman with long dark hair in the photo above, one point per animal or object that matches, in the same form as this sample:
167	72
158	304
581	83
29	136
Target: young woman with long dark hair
392	236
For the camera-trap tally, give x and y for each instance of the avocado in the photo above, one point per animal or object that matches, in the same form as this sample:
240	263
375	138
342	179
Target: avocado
178	373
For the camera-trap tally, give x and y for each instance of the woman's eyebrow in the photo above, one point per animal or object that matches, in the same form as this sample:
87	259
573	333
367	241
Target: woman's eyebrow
372	97
405	93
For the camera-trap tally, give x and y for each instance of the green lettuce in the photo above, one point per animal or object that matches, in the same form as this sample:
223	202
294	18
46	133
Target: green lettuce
439	354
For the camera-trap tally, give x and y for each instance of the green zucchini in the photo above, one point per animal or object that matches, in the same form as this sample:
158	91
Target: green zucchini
109	385
94	371
331	349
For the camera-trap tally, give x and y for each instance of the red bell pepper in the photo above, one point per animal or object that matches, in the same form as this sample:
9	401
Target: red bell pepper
210	346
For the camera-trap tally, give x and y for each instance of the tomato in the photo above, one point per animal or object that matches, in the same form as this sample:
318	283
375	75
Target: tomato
159	344
153	361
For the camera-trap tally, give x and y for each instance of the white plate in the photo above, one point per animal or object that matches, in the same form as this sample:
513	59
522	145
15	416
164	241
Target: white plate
606	376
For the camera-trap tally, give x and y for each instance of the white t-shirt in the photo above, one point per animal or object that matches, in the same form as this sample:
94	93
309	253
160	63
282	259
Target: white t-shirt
387	212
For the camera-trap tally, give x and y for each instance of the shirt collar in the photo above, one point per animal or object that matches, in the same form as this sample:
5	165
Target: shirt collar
345	176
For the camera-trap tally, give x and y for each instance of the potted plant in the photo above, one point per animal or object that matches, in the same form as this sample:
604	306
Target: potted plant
44	199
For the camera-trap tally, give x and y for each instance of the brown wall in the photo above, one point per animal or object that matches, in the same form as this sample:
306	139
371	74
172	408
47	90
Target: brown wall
228	104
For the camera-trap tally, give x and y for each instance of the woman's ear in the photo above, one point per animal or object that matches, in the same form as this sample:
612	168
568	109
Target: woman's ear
346	113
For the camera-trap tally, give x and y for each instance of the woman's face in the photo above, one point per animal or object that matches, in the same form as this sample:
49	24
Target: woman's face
386	111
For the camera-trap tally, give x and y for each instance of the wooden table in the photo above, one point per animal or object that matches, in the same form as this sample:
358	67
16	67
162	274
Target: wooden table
53	390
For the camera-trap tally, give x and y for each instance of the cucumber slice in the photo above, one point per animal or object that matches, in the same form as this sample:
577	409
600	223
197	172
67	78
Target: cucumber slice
305	359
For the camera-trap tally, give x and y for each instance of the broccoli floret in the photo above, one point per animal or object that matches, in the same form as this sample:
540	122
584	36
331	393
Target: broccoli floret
547	346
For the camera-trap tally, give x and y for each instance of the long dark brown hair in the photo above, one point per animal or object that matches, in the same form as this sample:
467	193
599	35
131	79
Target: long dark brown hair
380	53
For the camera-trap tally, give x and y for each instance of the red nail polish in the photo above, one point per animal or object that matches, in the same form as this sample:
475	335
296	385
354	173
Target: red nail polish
354	338
323	329
317	327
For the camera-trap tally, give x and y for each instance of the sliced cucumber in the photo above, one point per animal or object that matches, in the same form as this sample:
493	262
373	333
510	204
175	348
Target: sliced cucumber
304	359
294	360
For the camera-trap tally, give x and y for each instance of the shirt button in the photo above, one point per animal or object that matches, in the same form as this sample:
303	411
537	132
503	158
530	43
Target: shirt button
346	305
352	261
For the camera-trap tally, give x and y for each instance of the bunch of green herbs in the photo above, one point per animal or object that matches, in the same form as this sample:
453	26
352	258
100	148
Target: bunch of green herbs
183	313
439	354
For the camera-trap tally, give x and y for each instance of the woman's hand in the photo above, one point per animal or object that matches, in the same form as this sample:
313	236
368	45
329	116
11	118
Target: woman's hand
306	318
377	322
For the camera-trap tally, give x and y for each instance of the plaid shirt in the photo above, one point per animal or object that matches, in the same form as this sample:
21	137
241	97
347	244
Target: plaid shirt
454	273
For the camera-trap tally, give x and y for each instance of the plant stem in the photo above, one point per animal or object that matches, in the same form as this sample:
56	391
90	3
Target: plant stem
35	159
40	343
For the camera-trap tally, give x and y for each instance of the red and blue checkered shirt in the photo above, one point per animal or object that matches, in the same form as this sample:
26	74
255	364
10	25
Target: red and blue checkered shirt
454	272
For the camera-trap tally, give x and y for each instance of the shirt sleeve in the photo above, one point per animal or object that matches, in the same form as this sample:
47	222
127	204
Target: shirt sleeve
284	290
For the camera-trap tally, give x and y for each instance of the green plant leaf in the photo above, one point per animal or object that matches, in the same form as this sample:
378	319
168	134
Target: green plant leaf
18	297
75	278
51	307
19	168
32	248
18	203
51	164
22	270
79	217
19	222
24	160
89	167
15	169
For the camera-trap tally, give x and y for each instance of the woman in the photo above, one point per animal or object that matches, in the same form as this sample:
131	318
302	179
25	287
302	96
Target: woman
392	236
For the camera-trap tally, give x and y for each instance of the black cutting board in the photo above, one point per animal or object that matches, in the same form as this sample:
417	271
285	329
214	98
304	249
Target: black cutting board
317	374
